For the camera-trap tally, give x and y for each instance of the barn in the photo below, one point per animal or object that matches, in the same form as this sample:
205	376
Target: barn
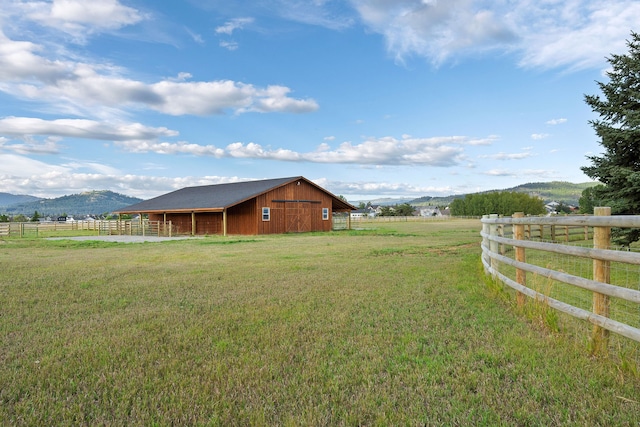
282	205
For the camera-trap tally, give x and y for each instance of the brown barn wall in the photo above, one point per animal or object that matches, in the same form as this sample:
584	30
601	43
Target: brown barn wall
209	223
243	218
288	216
206	223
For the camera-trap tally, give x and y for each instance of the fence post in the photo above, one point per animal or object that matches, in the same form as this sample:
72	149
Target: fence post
521	275
485	241
601	273
493	245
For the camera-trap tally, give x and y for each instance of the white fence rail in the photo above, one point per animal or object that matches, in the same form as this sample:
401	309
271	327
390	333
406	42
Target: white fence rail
581	277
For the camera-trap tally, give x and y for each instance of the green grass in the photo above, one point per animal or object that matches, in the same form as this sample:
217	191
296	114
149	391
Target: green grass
388	326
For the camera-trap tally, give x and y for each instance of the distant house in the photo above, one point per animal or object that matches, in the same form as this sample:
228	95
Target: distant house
271	206
551	206
376	209
361	213
430	211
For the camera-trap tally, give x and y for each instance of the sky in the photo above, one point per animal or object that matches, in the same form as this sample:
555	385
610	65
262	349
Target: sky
367	98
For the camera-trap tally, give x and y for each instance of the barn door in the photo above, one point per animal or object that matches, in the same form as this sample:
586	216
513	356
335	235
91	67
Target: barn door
298	217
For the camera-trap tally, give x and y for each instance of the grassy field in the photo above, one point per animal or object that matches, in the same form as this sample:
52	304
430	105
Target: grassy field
389	326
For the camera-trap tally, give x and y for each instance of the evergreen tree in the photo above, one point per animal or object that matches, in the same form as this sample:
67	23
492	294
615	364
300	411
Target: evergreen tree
619	131
404	209
588	201
502	203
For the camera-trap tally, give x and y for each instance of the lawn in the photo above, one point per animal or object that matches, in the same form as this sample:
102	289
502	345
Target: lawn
393	325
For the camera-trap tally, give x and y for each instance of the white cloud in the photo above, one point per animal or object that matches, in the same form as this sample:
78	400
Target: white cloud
571	34
536	173
507	156
235	24
538	136
575	34
97	90
93	167
323	13
18	127
436	30
137	138
195	36
554	122
229	45
20	167
22	175
80	18
435	151
137	146
31	146
362	188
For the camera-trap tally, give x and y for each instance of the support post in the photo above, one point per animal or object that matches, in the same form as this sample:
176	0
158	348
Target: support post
521	275
601	273
224	222
164	223
193	223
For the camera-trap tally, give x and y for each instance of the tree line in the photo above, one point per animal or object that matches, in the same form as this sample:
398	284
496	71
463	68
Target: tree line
502	203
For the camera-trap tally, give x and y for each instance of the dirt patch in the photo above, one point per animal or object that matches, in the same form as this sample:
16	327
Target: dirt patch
124	239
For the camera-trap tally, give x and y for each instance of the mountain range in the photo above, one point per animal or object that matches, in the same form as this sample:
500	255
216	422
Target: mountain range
100	202
559	191
87	203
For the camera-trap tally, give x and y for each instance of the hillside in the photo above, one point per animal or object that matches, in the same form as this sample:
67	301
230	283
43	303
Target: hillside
559	191
87	203
8	199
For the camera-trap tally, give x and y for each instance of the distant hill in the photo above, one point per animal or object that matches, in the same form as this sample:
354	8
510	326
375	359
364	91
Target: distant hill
558	191
87	203
7	199
389	201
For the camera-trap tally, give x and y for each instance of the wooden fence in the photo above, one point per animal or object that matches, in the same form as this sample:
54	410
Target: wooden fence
112	227
343	222
511	249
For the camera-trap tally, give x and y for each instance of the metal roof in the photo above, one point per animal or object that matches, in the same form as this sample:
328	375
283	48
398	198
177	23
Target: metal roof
213	198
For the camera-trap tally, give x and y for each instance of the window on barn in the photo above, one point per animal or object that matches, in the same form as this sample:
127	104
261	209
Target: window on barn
325	213
266	214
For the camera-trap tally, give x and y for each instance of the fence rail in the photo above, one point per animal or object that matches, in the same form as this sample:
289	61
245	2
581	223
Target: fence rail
110	227
575	273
